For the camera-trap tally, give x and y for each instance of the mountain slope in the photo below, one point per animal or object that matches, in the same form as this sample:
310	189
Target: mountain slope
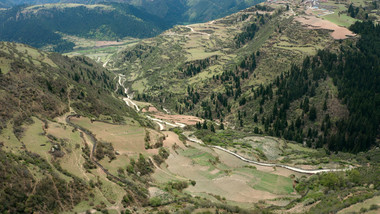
192	11
68	143
172	11
46	160
260	71
43	25
34	83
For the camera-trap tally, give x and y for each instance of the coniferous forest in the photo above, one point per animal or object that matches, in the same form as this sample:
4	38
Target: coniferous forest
355	71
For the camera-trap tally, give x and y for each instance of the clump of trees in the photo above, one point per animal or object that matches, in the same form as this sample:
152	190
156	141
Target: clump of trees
357	12
177	185
104	149
163	154
195	67
141	167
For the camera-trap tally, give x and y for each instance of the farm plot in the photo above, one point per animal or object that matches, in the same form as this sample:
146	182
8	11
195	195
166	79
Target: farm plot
220	174
126	139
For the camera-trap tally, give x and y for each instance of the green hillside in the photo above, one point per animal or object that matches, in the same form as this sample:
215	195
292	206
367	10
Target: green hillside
273	109
36	83
69	144
263	73
38	91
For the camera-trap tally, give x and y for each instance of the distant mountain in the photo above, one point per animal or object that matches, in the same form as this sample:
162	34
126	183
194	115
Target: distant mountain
40	25
191	11
173	11
11	3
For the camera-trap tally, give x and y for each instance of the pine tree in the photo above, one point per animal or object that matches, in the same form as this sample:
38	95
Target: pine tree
255	118
212	128
313	113
198	125
221	127
204	125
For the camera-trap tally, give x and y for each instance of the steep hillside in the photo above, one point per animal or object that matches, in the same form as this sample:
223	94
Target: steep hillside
35	83
68	144
260	71
46	162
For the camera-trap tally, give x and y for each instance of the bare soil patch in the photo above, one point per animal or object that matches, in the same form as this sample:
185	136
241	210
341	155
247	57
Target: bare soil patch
175	118
152	109
313	22
172	139
185	119
154	191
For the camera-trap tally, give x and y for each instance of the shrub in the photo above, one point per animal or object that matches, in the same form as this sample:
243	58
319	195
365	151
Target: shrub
155	202
179	185
374	207
308	201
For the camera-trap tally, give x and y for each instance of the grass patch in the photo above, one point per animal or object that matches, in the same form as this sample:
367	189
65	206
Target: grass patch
269	182
343	19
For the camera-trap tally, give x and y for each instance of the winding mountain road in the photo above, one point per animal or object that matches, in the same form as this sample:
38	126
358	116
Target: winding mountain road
295	169
192	30
128	100
180	125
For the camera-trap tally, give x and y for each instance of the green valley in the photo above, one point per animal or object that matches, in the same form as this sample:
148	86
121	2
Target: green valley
271	109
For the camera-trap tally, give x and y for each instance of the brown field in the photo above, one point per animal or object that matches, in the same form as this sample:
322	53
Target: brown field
185	119
175	118
150	109
126	139
172	139
313	22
